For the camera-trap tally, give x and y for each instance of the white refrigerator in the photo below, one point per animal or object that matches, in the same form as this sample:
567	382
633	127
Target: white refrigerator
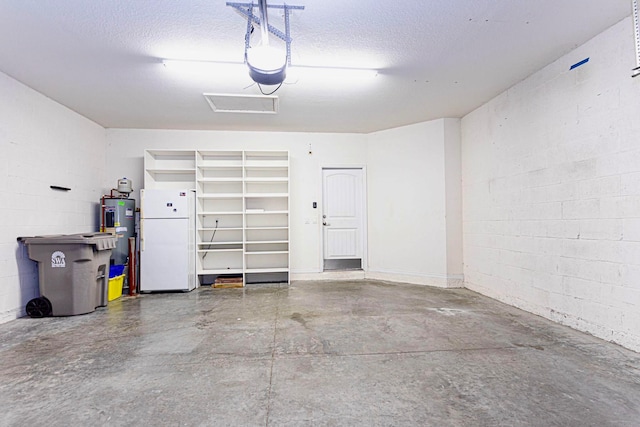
167	240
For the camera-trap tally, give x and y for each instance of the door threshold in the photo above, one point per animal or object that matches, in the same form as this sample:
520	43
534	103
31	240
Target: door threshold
352	264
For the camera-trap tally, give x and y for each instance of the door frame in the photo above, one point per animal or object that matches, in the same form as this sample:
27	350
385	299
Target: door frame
365	226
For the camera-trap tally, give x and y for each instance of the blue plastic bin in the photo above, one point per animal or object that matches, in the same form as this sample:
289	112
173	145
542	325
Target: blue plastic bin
116	270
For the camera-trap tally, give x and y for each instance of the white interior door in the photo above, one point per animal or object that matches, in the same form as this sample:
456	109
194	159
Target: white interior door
342	218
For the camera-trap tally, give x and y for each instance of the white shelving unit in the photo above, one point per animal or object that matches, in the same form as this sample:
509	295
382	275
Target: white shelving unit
169	169
266	222
220	211
242	209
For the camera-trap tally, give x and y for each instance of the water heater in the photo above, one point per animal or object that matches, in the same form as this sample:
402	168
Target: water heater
118	218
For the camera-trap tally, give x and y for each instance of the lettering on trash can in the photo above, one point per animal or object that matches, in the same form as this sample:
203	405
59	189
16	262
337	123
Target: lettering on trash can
57	259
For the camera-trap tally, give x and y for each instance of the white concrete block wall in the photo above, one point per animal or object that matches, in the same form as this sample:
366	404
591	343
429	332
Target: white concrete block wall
42	144
551	192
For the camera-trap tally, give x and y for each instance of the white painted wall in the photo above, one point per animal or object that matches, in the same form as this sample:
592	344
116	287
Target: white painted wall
551	192
42	144
453	200
409	238
125	158
407	196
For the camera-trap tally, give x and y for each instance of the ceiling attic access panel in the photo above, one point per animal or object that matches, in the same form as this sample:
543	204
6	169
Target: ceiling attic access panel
248	104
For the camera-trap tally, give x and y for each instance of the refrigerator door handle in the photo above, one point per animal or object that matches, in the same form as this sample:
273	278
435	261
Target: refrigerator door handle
142	193
141	234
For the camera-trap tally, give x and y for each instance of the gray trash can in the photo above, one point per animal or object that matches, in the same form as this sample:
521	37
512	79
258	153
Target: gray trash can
73	271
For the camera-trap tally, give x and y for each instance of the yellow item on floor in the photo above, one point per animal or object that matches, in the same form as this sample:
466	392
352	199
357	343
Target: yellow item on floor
115	287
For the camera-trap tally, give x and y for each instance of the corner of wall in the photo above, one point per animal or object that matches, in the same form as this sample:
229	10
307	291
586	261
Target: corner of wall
453	195
43	143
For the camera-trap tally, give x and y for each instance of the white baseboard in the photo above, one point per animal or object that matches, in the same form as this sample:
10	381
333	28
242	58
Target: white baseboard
14	314
329	275
416	279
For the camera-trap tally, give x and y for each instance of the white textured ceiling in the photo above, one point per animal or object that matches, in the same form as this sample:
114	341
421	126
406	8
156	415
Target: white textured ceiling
437	58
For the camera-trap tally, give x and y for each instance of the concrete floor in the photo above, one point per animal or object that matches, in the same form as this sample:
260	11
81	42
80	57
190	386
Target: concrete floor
316	353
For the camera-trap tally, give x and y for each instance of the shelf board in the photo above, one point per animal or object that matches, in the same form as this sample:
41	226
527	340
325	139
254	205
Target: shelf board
236	154
220	196
220	229
266	252
220	164
209	213
201	251
267	228
267	212
267	179
265	154
219	243
219	271
221	179
264	242
267	270
266	164
172	153
171	170
263	195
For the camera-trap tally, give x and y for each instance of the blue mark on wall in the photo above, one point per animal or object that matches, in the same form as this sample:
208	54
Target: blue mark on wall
577	64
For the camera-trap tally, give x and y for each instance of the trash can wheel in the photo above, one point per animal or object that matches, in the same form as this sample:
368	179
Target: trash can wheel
39	307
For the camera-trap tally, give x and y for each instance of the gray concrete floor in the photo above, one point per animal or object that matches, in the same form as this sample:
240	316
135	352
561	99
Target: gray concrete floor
315	353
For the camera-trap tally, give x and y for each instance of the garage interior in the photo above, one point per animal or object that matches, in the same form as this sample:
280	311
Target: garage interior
499	279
